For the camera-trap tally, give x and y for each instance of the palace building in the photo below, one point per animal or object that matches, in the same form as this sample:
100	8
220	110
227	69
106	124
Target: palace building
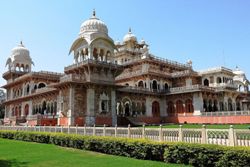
120	83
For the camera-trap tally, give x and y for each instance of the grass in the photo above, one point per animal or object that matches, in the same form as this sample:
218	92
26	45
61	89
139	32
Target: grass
209	126
26	154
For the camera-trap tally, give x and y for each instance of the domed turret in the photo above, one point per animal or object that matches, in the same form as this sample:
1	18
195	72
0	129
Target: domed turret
19	59
129	37
93	24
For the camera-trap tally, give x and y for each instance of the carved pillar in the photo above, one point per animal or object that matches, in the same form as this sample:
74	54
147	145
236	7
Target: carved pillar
71	111
113	107
197	103
30	108
148	107
90	114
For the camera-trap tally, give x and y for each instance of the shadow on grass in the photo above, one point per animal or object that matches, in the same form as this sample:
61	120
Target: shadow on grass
12	163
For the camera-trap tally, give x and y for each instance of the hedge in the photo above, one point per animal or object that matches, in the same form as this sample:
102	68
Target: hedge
199	155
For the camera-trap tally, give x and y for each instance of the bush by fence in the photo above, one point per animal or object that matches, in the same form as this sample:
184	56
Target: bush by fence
193	154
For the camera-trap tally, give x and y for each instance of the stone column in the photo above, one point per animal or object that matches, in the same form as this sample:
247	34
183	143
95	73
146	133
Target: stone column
90	118
163	107
113	107
148	107
30	108
197	103
71	111
22	109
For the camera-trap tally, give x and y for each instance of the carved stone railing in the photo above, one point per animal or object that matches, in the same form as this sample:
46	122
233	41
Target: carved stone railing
225	113
84	62
72	78
224	85
213	70
190	88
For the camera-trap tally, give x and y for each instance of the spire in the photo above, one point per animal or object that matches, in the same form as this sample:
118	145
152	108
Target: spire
93	12
21	43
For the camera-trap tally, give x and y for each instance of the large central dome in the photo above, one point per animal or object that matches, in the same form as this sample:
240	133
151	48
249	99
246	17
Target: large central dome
93	24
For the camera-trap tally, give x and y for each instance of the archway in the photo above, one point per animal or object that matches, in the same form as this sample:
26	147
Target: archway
171	109
230	105
127	110
179	106
206	82
26	110
218	80
155	109
41	85
44	107
189	106
166	86
140	84
154	85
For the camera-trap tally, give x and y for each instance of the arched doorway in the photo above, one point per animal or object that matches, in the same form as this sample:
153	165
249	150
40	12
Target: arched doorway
155	109
230	105
44	107
171	109
189	106
127	112
206	82
179	106
26	110
166	86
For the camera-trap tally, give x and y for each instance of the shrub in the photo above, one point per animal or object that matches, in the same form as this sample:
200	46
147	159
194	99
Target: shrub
182	153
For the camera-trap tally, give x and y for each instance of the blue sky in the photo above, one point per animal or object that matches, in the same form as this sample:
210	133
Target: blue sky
209	32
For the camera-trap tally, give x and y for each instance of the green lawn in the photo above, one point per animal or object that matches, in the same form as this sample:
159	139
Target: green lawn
26	154
214	126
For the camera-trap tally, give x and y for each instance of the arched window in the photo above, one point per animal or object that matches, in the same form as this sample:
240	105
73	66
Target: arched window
166	86
126	84
140	84
219	80
179	106
155	109
154	85
95	54
221	106
210	106
215	108
206	82
41	85
189	106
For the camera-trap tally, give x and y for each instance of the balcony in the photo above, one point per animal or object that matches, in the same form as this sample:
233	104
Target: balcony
224	85
191	88
73	78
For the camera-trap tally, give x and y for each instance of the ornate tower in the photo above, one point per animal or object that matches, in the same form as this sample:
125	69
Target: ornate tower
90	90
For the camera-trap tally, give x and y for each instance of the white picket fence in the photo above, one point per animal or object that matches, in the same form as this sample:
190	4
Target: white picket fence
227	137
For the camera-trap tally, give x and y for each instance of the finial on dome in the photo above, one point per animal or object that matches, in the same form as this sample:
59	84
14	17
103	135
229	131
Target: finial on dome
94	13
129	30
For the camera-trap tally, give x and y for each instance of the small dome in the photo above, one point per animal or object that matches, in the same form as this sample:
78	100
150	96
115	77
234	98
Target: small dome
20	53
20	57
129	37
238	72
93	24
143	41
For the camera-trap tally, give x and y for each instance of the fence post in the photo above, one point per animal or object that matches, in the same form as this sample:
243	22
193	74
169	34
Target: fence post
129	132
34	128
180	134
68	129
39	128
61	129
143	131
94	130
231	136
76	129
104	130
203	135
44	127
50	128
115	130
160	133
84	132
